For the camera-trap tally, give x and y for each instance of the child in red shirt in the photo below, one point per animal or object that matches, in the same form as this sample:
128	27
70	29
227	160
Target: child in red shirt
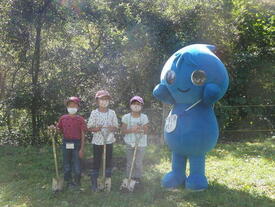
73	128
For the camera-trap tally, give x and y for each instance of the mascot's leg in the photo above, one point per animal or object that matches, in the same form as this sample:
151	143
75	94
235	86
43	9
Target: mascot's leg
177	176
196	180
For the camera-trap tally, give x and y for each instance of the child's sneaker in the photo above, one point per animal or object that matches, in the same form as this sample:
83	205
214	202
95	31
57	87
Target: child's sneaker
70	185
138	186
138	181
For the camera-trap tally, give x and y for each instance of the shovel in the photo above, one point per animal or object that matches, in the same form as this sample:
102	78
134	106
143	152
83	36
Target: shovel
104	184
128	184
57	182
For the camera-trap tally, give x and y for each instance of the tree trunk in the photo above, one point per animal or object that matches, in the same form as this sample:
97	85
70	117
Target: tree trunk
2	84
35	85
35	69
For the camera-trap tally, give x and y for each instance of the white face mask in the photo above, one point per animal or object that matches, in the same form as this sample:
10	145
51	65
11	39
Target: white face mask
103	103
136	108
72	110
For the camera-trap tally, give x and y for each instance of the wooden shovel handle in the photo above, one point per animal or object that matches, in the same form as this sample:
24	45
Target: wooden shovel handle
54	155
132	164
134	157
104	161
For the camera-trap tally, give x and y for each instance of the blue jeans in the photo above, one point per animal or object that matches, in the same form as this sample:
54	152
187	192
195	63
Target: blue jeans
71	160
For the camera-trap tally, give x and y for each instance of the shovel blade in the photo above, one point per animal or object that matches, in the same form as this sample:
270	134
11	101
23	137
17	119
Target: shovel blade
104	184
128	185
108	184
57	184
100	183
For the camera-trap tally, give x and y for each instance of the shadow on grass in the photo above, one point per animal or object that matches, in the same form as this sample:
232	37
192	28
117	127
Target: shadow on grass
217	195
263	149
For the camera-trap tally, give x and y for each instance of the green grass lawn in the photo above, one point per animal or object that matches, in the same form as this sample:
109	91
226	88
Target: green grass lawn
240	174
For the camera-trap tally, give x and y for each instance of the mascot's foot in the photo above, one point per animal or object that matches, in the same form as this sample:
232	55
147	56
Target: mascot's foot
196	183
172	180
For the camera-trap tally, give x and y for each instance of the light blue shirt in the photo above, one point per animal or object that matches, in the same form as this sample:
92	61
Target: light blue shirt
131	121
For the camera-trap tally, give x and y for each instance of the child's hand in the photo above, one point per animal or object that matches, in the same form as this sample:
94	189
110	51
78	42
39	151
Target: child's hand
96	129
52	127
140	129
136	129
133	129
111	128
81	153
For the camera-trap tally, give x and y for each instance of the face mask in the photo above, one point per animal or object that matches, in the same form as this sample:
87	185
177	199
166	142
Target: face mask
103	103
136	108
72	110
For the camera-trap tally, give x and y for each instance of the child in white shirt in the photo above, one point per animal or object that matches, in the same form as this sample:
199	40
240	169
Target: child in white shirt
135	127
102	120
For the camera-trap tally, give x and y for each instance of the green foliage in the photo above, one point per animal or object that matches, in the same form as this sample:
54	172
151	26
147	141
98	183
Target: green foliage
251	68
121	46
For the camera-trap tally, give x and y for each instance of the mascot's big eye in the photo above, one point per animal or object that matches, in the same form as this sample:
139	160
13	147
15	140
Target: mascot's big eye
198	77
170	76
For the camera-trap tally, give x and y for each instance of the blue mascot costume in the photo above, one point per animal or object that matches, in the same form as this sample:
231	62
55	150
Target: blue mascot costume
192	80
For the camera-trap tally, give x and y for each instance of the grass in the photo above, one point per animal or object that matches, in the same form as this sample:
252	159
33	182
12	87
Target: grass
241	174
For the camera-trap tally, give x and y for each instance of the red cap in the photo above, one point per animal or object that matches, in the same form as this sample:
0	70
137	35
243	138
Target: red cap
102	93
138	99
73	99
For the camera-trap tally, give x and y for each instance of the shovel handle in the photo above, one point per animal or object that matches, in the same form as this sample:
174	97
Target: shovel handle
134	154
134	158
54	155
132	164
104	161
104	156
